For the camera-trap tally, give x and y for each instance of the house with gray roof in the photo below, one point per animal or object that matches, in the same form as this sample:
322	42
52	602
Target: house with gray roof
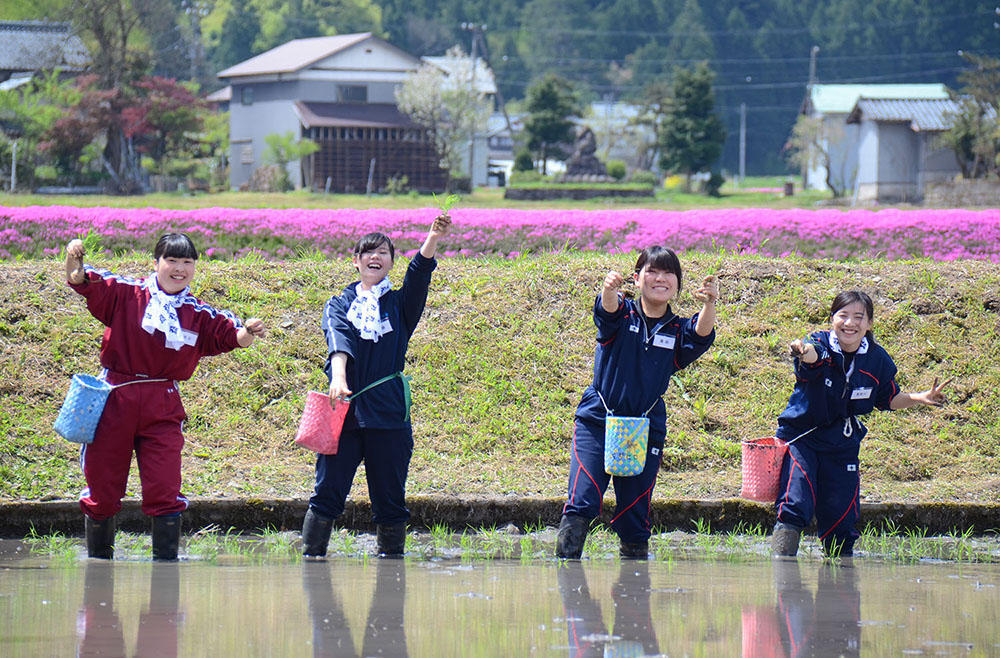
898	146
338	91
30	46
831	104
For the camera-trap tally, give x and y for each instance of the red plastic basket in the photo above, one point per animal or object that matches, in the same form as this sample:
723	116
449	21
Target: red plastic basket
319	429
762	468
761	634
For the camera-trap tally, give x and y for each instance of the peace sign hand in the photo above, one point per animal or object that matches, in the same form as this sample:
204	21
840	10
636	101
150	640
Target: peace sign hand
934	396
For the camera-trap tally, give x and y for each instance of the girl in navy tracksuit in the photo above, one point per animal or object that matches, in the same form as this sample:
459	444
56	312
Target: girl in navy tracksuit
156	332
640	345
368	328
840	375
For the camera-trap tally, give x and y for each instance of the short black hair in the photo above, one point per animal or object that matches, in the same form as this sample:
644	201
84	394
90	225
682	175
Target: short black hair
848	297
372	241
660	258
175	245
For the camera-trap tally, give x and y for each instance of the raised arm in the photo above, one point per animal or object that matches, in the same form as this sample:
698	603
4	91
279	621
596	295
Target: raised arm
438	229
609	292
707	294
74	261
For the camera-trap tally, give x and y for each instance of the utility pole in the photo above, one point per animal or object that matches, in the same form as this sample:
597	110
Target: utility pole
812	65
13	166
476	31
743	142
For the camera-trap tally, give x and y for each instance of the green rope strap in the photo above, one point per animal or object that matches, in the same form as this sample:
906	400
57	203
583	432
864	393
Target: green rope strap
407	397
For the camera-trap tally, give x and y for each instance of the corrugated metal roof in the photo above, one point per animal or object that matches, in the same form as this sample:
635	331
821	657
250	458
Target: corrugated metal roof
830	99
40	45
923	115
294	55
352	115
485	81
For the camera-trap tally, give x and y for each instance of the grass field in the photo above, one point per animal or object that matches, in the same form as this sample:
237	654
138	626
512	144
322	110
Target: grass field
498	363
731	197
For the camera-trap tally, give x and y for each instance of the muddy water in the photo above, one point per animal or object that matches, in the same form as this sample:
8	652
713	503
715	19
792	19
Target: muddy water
354	607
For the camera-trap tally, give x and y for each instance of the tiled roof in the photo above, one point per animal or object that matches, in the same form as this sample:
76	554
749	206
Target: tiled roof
294	55
40	45
352	115
829	99
923	115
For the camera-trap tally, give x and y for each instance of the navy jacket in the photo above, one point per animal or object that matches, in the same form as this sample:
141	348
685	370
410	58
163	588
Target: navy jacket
828	398
382	407
632	368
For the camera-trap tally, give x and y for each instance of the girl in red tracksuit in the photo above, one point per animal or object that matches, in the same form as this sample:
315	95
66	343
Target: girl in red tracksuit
156	331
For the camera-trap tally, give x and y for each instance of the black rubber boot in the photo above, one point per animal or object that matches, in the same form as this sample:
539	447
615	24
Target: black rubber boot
390	539
634	551
166	537
100	537
785	540
571	537
316	530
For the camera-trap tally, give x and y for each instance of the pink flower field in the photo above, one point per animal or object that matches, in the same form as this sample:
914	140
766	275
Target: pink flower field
38	231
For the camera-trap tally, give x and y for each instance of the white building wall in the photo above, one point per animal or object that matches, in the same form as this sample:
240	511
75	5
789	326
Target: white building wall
249	124
898	162
867	178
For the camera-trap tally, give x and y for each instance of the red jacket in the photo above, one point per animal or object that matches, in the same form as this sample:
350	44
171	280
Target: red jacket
120	302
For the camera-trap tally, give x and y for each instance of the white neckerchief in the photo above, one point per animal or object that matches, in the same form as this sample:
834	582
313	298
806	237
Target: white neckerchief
161	313
364	311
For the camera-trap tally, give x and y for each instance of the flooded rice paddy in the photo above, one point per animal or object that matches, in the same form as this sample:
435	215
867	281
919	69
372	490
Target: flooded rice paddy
256	598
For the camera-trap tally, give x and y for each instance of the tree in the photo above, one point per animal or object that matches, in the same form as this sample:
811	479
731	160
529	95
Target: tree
551	101
812	144
691	135
164	121
110	26
448	107
975	131
240	28
85	115
283	148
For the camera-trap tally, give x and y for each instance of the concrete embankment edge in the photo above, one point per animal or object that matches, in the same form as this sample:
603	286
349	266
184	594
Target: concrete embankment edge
459	513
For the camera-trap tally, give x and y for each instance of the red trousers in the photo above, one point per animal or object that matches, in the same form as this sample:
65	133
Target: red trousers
144	418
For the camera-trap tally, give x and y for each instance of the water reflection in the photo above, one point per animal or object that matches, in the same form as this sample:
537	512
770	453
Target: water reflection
385	633
804	624
632	633
99	628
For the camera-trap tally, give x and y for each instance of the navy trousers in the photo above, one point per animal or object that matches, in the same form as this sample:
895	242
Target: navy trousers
588	481
824	484
386	454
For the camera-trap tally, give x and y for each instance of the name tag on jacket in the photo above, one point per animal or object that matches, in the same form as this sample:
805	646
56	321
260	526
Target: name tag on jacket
190	337
386	325
666	342
861	393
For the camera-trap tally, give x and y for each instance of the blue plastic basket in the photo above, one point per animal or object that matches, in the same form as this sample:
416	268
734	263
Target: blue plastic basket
625	441
82	409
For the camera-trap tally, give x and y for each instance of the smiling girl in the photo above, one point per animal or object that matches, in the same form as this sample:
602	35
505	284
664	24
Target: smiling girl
640	345
840	374
156	332
368	328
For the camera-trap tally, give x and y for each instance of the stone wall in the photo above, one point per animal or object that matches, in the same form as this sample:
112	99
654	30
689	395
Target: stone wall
963	194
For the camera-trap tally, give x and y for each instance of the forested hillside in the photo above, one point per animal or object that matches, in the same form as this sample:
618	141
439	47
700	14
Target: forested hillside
758	49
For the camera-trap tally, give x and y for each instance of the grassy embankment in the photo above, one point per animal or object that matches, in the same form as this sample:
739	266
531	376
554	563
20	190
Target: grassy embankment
731	197
498	363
